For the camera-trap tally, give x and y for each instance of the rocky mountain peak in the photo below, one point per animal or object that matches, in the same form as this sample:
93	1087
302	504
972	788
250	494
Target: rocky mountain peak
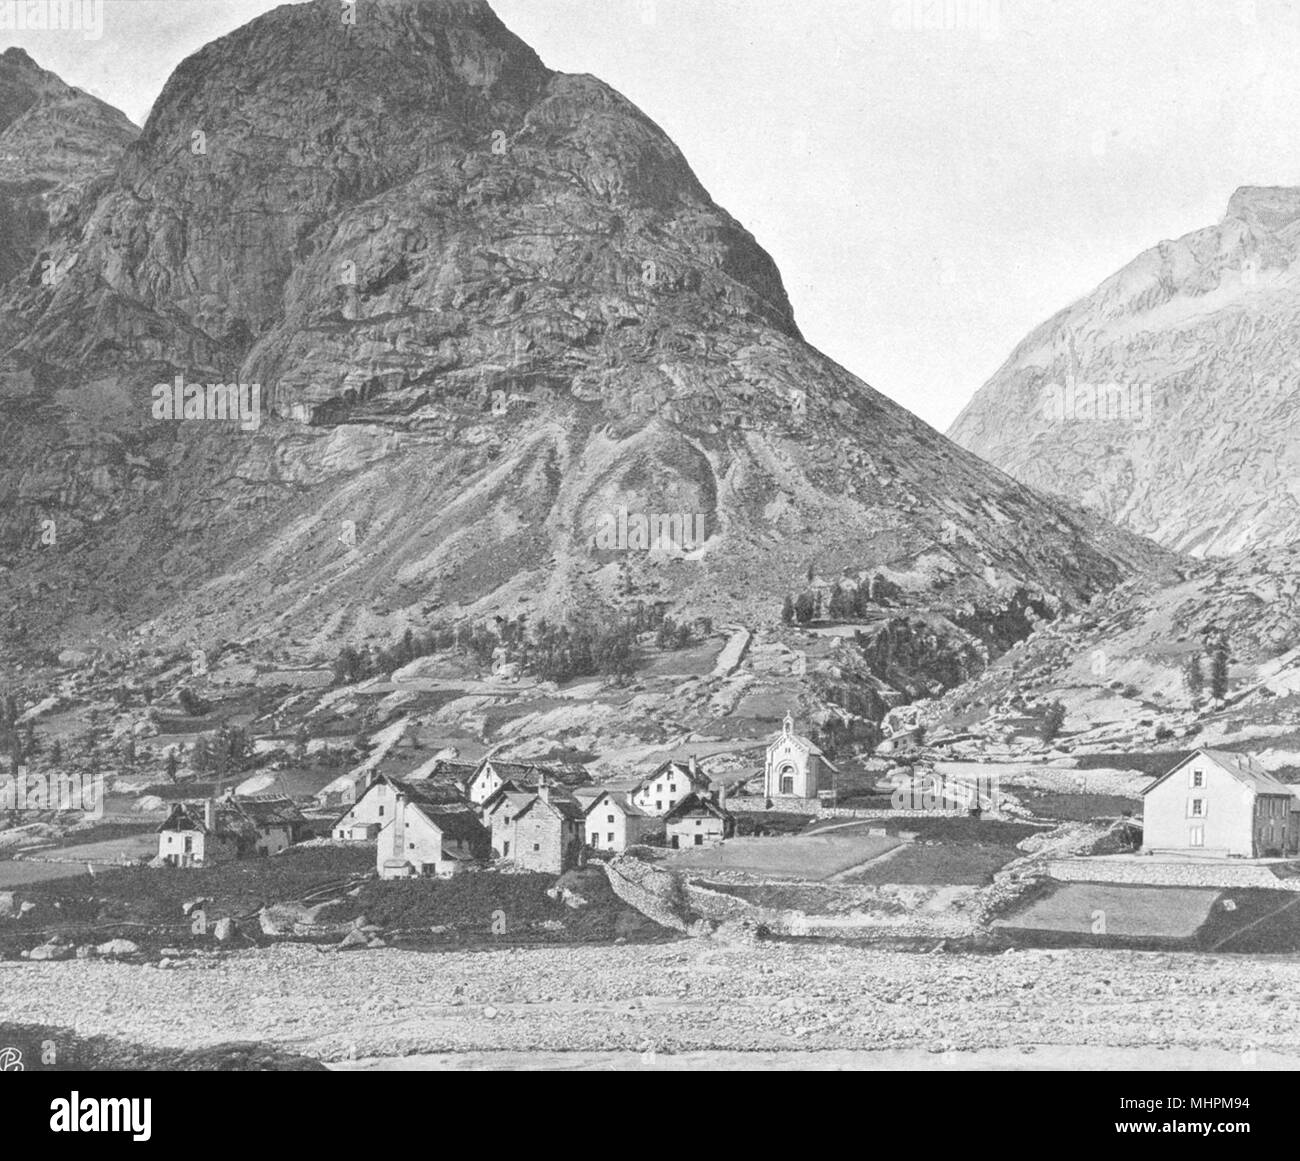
1269	208
490	310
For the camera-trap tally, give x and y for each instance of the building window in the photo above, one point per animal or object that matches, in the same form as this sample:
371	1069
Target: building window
787	783
699	822
672	789
537	846
1198	779
1196	836
381	812
610	837
1198	807
595	840
609	818
659	805
699	840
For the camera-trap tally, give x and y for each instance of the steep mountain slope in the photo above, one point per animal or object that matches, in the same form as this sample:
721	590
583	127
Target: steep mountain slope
1121	669
1167	399
55	143
488	306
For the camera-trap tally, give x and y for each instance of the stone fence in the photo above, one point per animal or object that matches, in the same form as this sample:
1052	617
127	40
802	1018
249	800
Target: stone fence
1153	872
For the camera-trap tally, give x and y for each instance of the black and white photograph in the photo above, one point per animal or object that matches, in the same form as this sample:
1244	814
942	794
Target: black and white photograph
651	536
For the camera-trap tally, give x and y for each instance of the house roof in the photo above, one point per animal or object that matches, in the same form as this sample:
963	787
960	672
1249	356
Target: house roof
530	773
560	803
444	770
507	794
674	768
697	804
619	798
235	816
1242	767
457	822
806	743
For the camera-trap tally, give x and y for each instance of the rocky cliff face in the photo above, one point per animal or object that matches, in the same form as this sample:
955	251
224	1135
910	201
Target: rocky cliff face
1168	399
56	143
489	307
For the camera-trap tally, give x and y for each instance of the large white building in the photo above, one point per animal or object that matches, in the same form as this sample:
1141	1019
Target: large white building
794	767
1220	803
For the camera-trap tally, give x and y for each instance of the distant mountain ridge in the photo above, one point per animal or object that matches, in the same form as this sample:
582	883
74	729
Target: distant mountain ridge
1168	398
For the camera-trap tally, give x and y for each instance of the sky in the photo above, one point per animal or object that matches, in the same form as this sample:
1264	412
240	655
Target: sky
933	177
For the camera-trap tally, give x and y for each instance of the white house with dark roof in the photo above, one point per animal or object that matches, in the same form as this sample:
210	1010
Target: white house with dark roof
374	809
196	835
427	836
670	782
613	822
1219	803
699	820
794	766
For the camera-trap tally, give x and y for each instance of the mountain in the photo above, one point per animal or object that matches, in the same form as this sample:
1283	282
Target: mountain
56	142
488	306
1187	355
1120	668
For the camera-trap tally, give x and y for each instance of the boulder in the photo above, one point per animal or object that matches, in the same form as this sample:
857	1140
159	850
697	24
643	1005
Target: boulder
6	904
352	939
52	951
117	947
224	930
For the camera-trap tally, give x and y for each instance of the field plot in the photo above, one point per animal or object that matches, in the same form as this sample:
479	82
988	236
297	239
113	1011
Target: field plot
1110	909
808	856
19	874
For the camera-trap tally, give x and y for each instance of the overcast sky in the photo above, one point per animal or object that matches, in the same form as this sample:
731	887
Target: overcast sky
930	194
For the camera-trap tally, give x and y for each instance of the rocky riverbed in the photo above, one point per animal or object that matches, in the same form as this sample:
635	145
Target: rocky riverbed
701	995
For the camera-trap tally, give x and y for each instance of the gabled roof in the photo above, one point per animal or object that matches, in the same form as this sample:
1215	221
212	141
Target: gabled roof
1242	767
508	794
564	806
524	774
424	791
674	768
694	804
621	799
444	770
457	822
269	810
235	817
804	743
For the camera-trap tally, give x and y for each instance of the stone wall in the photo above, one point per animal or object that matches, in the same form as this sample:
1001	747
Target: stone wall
1153	872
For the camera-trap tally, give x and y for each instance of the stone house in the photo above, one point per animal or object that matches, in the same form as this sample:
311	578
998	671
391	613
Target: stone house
613	822
499	814
547	833
699	820
658	792
794	767
1219	803
219	830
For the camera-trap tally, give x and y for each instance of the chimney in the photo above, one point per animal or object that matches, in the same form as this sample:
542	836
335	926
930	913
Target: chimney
210	815
399	826
722	795
694	767
543	790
